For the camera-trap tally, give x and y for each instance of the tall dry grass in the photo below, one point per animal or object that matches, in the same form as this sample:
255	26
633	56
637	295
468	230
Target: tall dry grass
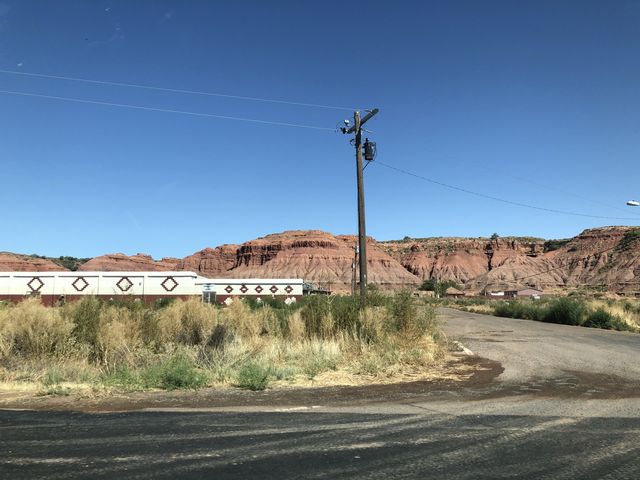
132	346
32	330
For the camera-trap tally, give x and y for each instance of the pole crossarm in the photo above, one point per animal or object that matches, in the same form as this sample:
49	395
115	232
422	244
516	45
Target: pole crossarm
363	120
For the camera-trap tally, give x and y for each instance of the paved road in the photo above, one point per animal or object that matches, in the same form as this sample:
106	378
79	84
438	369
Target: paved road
315	445
529	349
555	412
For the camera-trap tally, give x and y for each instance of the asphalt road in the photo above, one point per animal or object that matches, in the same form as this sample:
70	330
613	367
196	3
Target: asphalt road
529	349
564	404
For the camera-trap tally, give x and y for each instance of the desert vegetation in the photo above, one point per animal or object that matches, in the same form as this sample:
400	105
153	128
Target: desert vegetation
612	314
95	346
70	263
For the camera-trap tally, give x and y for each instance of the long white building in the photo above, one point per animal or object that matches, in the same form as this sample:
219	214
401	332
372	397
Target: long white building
55	287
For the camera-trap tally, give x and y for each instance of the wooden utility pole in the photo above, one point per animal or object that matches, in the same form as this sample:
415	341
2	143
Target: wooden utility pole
362	227
353	270
362	231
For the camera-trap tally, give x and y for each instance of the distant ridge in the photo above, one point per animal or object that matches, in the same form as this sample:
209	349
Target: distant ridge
605	257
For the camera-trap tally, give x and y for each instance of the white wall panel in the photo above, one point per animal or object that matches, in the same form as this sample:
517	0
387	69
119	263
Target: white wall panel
121	283
77	284
30	283
174	284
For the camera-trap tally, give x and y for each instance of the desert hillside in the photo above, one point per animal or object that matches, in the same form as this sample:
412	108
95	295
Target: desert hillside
606	257
314	255
14	262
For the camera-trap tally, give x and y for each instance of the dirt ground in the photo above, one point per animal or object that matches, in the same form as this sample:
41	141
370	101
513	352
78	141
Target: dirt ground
459	371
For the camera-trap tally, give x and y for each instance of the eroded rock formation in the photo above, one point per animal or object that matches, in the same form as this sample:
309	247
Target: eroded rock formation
140	262
13	262
607	257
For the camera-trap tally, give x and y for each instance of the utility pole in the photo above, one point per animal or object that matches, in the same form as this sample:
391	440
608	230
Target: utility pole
362	231
353	270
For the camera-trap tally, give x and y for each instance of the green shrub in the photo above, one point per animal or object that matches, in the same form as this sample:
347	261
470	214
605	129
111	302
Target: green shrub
85	315
566	311
429	285
551	245
253	376
53	376
345	313
519	309
178	372
403	311
600	318
375	297
314	315
629	239
121	378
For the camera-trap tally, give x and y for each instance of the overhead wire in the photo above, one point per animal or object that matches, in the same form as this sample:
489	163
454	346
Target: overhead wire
164	110
287	124
571	194
498	199
174	90
502	172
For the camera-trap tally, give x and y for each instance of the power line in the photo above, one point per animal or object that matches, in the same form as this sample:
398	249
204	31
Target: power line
542	185
568	193
174	90
498	199
164	110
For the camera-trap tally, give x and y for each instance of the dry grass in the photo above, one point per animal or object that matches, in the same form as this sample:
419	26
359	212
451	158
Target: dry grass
34	330
628	311
96	346
484	309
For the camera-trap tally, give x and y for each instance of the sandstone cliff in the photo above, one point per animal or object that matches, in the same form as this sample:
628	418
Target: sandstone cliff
459	259
119	262
316	256
607	257
13	262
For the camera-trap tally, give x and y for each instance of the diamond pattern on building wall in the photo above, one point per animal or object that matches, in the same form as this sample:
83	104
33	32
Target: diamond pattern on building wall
288	289
124	284
169	284
35	284
244	288
259	289
80	284
273	289
229	289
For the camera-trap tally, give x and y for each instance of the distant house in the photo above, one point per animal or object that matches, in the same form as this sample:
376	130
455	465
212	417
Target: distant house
495	294
529	292
453	292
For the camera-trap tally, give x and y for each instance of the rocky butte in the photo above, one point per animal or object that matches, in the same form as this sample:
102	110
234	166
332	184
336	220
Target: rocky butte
314	255
606	258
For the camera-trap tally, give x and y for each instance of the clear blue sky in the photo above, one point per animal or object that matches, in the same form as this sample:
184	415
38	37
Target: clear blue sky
535	102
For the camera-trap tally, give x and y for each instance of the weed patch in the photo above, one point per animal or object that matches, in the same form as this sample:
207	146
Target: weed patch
254	376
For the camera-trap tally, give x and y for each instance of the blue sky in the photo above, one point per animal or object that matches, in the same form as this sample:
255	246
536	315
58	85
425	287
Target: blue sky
534	102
